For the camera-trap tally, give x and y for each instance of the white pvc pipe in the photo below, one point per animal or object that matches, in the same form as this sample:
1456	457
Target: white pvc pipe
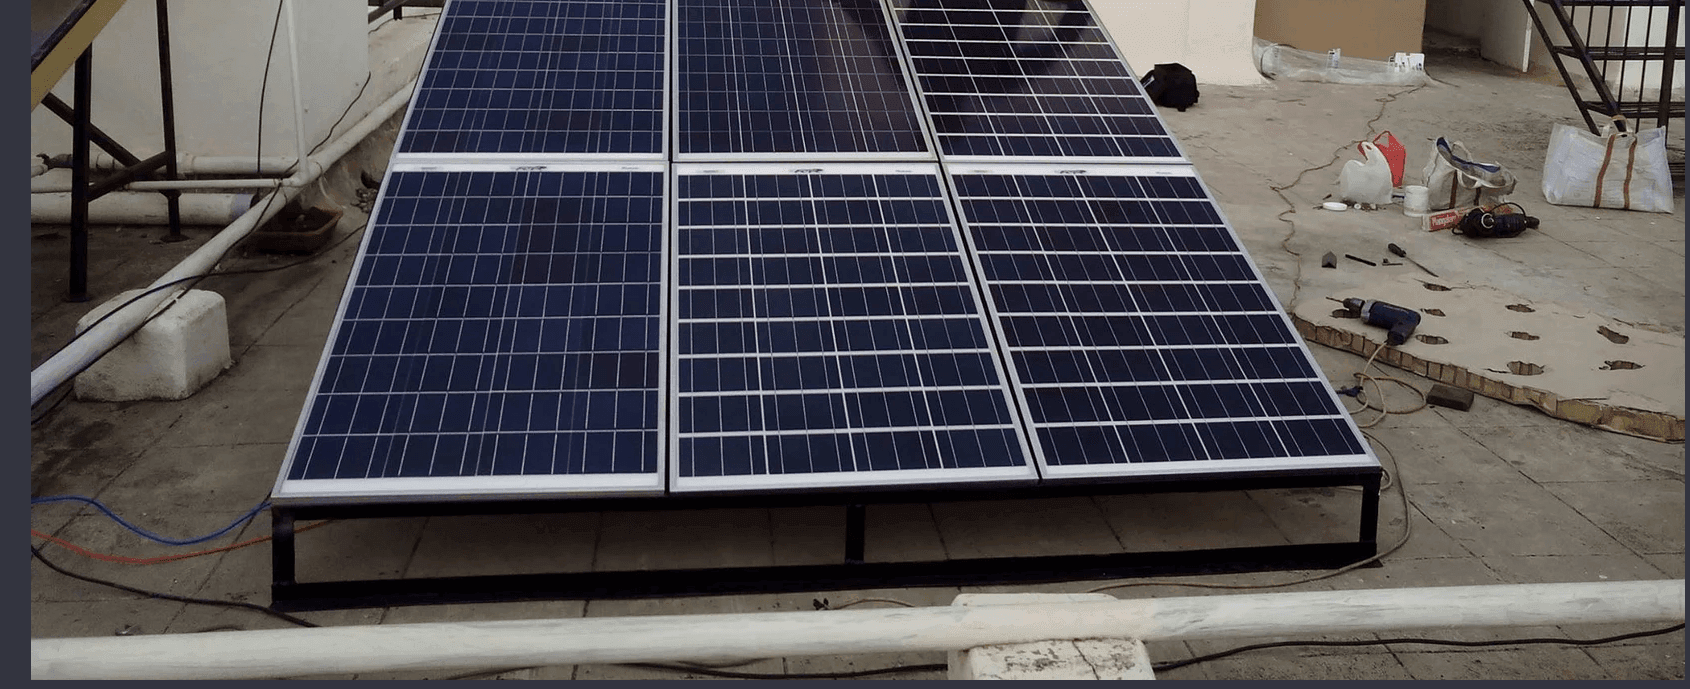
190	164
468	645
120	207
93	343
298	92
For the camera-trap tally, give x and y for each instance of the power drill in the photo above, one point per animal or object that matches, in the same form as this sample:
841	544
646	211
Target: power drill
1399	321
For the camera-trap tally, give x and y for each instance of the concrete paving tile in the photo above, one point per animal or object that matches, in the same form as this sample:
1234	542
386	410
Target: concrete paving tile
109	425
84	472
1672	246
206	618
809	535
1425	540
485	612
1633	295
211	477
1508	519
1665	661
623	672
85	619
308	329
1062	526
1188	521
1647	516
1626	252
1493	413
1534	662
1670	564
678	540
505	544
871	661
223	415
345	550
1570	453
101	535
1530	250
270	368
1299	664
1313	515
1443	453
901	533
259	301
701	605
1554	569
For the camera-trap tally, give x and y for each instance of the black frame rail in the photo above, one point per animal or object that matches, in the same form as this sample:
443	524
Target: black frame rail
84	132
288	593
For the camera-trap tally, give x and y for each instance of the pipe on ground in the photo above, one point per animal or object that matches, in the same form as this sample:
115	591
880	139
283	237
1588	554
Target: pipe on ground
470	645
142	208
189	164
96	341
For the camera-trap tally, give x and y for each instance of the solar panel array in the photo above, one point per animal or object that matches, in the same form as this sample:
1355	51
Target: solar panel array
629	247
776	78
827	330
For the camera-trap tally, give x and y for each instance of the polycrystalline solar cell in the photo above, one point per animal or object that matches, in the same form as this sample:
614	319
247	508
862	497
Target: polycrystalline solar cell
827	334
498	324
801	77
1140	337
1017	79
543	76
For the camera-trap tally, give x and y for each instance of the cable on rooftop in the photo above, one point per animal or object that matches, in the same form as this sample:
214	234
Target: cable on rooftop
143	532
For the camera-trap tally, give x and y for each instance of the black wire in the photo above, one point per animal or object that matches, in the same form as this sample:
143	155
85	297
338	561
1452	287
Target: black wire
330	134
848	674
264	87
1162	667
169	596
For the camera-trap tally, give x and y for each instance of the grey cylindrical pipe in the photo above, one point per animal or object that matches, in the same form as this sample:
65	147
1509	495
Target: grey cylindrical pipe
142	208
190	164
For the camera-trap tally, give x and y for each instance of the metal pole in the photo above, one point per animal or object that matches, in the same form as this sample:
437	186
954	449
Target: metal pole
84	79
169	99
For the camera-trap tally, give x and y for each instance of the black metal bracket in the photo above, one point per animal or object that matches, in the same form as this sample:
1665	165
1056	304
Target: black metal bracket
84	132
852	572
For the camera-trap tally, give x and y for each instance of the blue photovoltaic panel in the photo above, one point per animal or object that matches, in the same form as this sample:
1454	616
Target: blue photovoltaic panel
800	77
1140	336
827	334
499	324
1027	80
543	76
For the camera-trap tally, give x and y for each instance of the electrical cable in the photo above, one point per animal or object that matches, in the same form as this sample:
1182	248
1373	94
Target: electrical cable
36	551
847	674
264	87
1163	667
124	560
143	532
1362	378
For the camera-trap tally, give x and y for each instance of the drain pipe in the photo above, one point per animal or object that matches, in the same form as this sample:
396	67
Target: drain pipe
95	342
124	207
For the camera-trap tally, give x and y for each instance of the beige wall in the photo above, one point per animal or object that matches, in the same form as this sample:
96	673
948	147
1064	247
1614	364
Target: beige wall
1212	37
1369	29
217	55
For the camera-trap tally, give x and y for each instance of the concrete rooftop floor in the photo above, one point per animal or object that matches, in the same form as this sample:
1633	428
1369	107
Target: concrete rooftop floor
1498	494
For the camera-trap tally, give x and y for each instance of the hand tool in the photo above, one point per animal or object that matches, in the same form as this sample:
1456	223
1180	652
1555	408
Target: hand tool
1400	253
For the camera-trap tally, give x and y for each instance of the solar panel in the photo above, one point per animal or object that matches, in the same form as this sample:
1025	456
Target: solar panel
501	335
828	335
1031	80
581	77
1140	336
808	79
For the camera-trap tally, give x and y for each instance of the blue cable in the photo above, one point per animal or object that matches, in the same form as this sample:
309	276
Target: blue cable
145	533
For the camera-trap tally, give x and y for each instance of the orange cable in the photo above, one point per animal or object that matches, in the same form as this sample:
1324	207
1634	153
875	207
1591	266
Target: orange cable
126	560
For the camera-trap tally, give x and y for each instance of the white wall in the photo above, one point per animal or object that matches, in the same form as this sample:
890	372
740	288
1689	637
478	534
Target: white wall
217	58
1214	38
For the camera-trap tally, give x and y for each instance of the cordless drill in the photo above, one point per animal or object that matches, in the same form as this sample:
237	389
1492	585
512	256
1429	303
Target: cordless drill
1399	321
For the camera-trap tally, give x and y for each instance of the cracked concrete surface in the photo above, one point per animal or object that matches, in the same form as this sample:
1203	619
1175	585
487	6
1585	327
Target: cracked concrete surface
1498	494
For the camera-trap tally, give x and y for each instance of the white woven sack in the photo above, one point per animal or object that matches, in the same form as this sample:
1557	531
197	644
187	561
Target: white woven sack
1616	170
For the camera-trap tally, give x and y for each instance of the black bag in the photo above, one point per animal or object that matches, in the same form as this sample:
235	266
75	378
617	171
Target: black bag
1171	85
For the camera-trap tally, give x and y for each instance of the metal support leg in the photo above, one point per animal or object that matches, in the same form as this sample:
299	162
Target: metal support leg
1370	510
78	291
855	527
281	548
174	197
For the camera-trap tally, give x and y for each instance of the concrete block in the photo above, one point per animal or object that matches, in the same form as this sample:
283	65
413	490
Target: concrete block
1061	659
169	358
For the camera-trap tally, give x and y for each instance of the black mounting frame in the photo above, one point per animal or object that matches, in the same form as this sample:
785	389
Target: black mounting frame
287	593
